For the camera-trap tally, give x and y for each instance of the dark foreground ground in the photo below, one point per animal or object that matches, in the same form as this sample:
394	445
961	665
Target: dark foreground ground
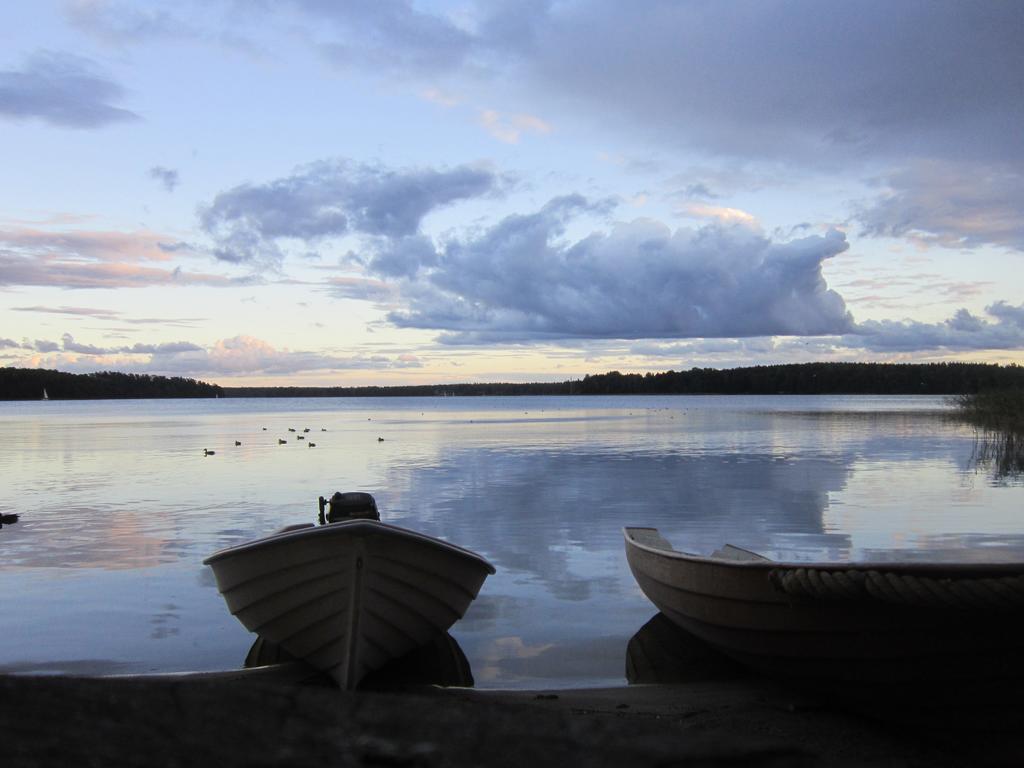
61	721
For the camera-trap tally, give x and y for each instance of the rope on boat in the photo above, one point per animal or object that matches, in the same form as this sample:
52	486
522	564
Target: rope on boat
966	592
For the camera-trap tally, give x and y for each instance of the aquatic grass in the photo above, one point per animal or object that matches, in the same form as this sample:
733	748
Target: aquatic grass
1000	409
1002	451
999	417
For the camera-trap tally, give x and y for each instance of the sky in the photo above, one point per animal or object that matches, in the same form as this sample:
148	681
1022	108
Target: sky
308	192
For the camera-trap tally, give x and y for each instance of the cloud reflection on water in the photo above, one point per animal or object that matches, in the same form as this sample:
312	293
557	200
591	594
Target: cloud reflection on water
546	514
563	603
85	537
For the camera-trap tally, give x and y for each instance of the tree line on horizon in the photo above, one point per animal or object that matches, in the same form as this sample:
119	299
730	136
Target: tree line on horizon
34	383
789	378
814	379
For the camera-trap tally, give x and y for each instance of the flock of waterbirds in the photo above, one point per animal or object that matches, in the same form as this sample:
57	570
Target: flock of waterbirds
282	441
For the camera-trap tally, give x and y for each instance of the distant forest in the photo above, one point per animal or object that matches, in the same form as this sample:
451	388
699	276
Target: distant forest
794	379
31	383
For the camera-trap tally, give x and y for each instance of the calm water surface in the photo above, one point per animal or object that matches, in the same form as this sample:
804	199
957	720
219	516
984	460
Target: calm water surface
119	507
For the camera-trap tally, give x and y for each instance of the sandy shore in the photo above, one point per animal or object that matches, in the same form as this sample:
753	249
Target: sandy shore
174	722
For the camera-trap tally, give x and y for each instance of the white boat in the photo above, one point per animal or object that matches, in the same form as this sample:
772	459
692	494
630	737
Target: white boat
347	597
856	624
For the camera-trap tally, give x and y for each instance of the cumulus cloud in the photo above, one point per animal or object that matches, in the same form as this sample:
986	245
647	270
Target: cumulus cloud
5	343
168	177
951	204
403	256
331	199
63	90
520	280
246	354
963	332
1000	327
70	345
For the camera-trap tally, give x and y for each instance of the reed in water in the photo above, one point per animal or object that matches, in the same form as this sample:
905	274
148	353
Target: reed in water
994	409
999	416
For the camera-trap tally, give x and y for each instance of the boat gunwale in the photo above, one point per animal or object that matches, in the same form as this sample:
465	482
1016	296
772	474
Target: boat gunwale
952	569
361	526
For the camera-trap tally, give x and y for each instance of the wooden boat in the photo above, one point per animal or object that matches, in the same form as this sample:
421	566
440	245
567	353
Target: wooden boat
347	597
864	624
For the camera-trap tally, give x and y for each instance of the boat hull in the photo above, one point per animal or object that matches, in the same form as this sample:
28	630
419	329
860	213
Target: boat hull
741	609
348	597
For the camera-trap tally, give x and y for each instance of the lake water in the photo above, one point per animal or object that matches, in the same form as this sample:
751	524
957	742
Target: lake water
119	506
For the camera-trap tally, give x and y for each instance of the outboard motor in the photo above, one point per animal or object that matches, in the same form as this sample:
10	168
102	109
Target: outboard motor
354	505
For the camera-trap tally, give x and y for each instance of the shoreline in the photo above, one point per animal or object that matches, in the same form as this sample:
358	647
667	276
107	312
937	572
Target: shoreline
946	378
176	720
